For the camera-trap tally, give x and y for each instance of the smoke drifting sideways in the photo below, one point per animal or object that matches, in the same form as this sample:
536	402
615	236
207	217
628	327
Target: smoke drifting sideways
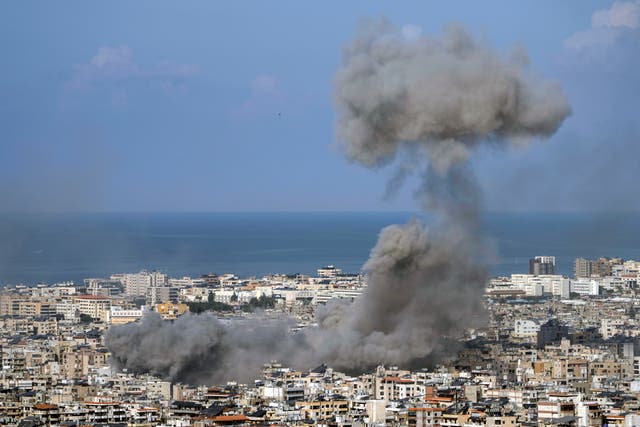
439	97
417	293
198	348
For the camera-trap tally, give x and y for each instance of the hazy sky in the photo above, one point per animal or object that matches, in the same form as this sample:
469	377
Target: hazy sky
227	105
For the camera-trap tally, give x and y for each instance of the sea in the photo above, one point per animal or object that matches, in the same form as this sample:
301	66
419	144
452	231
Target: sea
51	248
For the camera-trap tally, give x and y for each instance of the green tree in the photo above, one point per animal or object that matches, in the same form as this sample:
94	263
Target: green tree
201	307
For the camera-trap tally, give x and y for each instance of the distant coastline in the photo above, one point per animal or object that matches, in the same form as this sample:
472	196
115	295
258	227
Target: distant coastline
57	247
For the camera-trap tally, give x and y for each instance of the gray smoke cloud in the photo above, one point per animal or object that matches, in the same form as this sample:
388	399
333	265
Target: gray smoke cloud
435	97
199	348
421	289
446	94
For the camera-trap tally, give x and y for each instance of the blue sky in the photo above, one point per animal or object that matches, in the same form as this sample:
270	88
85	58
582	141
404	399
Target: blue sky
227	105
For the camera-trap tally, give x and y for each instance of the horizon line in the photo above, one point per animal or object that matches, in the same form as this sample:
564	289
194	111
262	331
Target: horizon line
312	211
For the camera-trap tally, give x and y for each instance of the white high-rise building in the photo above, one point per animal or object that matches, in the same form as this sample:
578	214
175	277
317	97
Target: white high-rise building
537	285
137	284
585	287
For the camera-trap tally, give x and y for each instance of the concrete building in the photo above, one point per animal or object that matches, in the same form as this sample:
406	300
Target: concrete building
137	284
321	410
582	268
585	287
542	265
552	332
525	328
329	271
601	267
158	294
120	316
170	311
425	417
96	307
103	287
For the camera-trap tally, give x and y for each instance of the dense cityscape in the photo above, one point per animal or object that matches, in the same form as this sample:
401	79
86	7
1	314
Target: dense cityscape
555	351
197	141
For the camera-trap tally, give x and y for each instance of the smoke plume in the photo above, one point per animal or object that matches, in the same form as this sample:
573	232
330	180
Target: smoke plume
438	98
198	348
420	289
446	94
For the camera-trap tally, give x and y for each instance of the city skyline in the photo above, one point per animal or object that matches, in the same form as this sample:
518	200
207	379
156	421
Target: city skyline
416	214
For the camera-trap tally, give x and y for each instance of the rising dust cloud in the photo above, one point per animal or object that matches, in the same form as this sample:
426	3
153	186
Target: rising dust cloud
440	97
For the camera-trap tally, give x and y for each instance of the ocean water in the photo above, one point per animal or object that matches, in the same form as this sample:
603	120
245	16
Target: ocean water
56	247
